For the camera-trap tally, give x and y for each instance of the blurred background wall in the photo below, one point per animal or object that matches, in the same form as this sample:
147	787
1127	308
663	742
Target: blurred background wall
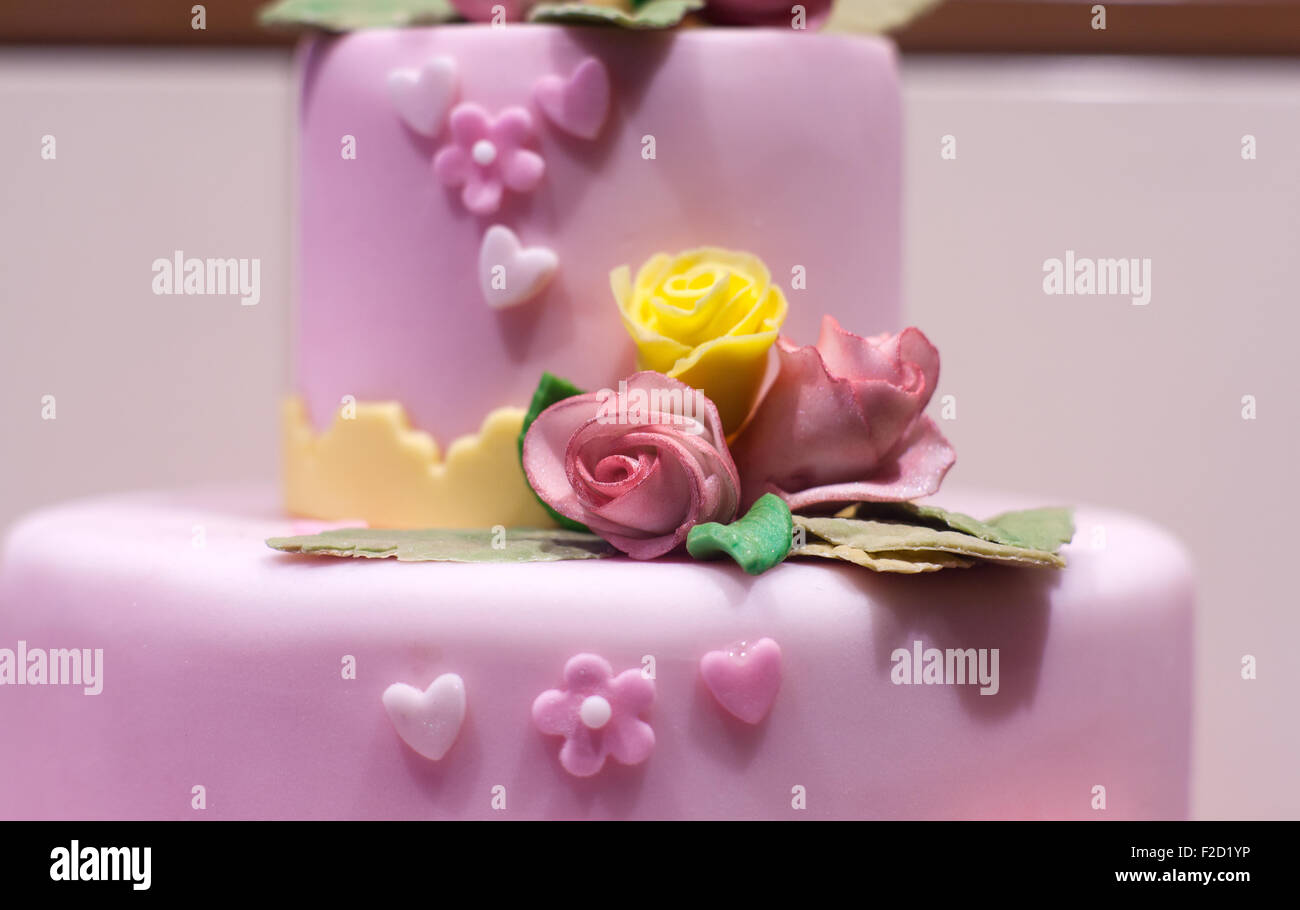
1084	399
1093	399
155	151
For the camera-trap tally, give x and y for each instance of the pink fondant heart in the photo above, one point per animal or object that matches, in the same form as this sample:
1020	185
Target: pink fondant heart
579	104
509	273
424	96
745	678
428	721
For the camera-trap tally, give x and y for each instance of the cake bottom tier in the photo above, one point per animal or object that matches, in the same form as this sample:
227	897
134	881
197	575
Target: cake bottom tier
226	690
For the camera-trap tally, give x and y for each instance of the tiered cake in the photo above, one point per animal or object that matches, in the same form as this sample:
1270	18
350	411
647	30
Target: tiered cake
466	192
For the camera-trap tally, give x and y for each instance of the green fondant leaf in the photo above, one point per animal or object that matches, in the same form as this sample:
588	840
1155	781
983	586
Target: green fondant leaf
879	537
346	15
550	389
443	545
648	15
756	542
1035	529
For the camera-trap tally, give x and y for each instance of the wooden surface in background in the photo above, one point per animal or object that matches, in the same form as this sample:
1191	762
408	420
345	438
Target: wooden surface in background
134	22
1145	26
1247	27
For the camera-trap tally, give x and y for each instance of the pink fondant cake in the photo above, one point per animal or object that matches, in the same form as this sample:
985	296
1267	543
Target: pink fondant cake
222	669
785	146
619	281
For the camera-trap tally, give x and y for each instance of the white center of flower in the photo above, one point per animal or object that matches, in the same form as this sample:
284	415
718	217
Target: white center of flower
595	712
484	153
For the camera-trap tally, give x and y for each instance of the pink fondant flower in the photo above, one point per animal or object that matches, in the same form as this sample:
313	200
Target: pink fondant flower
767	12
639	466
598	714
481	10
843	422
486	155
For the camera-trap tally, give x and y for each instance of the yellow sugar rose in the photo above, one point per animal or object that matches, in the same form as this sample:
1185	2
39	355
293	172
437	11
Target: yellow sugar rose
707	317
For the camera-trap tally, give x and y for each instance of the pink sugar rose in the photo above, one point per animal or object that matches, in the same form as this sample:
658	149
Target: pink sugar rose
639	466
843	422
598	714
486	155
767	12
481	10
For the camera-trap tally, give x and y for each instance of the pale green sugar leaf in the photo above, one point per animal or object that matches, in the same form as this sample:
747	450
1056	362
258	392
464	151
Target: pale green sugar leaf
1042	529
347	15
907	512
900	563
648	15
876	15
442	545
888	537
1035	529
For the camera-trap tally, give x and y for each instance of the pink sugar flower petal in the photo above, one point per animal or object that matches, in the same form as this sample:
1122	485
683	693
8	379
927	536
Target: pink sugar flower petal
482	196
624	735
684	473
469	123
522	170
918	471
452	166
554	712
513	128
843	421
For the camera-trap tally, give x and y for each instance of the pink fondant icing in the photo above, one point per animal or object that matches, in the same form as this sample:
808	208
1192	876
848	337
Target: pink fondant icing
787	147
618	729
487	156
222	669
578	104
744	678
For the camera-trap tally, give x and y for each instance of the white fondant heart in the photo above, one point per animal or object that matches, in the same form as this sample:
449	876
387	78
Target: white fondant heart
424	96
579	104
509	273
428	721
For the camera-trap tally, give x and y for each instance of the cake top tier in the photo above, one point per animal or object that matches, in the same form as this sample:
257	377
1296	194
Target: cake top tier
467	192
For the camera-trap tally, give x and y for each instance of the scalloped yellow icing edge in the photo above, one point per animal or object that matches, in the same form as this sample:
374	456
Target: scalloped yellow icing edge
373	466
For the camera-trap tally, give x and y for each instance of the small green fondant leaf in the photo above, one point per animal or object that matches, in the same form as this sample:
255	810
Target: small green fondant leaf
877	537
443	545
901	563
347	15
756	542
648	15
1035	529
550	389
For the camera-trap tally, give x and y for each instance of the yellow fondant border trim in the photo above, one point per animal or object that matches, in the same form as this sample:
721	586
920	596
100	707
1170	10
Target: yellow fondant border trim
371	466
